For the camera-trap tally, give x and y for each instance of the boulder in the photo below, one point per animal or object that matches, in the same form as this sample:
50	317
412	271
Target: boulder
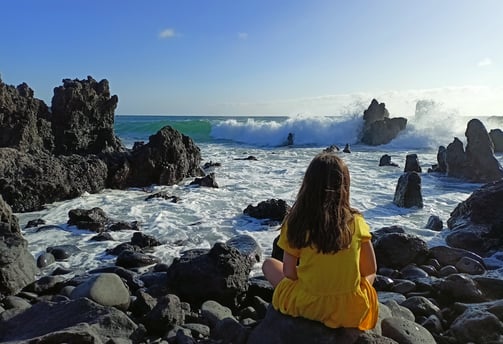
386	161
378	128
477	163
396	250
408	191
221	274
94	219
441	165
496	136
27	181
274	209
17	266
412	164
107	289
277	328
72	321
166	159
476	224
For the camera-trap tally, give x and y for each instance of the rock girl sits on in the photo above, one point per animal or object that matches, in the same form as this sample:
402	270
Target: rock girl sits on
330	242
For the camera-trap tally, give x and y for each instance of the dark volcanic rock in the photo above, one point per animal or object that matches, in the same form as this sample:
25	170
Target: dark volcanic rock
378	128
477	222
76	321
274	209
83	117
17	265
477	163
220	275
496	136
48	155
412	163
166	159
27	182
386	161
24	120
397	250
408	191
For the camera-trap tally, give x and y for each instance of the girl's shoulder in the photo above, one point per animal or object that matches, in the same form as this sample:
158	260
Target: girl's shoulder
361	227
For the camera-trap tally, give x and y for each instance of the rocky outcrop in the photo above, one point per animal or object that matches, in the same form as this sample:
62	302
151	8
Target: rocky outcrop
441	165
378	128
83	117
477	163
17	265
476	224
57	153
496	136
28	181
25	120
412	163
408	191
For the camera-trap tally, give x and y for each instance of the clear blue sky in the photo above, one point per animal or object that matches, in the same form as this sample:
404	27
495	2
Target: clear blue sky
240	57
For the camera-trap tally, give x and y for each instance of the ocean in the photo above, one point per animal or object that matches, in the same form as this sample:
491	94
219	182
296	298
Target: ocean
204	216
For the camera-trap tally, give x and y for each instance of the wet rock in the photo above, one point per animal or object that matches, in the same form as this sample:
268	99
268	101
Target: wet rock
62	252
477	163
386	161
477	327
496	136
247	246
129	259
166	314
274	209
408	191
434	223
206	181
475	223
94	219
378	127
412	163
45	259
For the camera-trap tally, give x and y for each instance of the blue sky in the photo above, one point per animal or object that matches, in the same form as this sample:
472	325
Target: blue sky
262	57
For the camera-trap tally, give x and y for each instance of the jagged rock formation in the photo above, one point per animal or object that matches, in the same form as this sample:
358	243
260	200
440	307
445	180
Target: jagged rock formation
477	163
378	128
49	154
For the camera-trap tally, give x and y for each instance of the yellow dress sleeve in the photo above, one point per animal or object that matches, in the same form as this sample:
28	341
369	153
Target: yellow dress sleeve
362	227
283	242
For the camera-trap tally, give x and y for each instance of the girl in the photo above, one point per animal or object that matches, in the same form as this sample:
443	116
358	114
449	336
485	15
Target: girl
330	242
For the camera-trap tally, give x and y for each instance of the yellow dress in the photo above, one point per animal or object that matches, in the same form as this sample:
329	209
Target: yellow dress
329	287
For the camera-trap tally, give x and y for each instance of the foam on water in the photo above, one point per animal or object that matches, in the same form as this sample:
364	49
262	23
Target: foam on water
206	215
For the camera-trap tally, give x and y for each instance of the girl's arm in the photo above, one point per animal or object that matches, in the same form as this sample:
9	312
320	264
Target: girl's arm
368	264
289	266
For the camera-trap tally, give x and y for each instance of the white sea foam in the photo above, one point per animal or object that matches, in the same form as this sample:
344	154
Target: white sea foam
206	215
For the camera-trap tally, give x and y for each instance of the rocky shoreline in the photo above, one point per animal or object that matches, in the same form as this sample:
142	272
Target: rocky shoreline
427	295
444	294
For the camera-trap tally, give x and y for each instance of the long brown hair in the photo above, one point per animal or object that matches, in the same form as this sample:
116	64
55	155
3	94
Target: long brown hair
321	213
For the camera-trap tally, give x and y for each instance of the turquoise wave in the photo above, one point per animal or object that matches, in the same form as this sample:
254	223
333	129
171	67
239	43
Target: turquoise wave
139	128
